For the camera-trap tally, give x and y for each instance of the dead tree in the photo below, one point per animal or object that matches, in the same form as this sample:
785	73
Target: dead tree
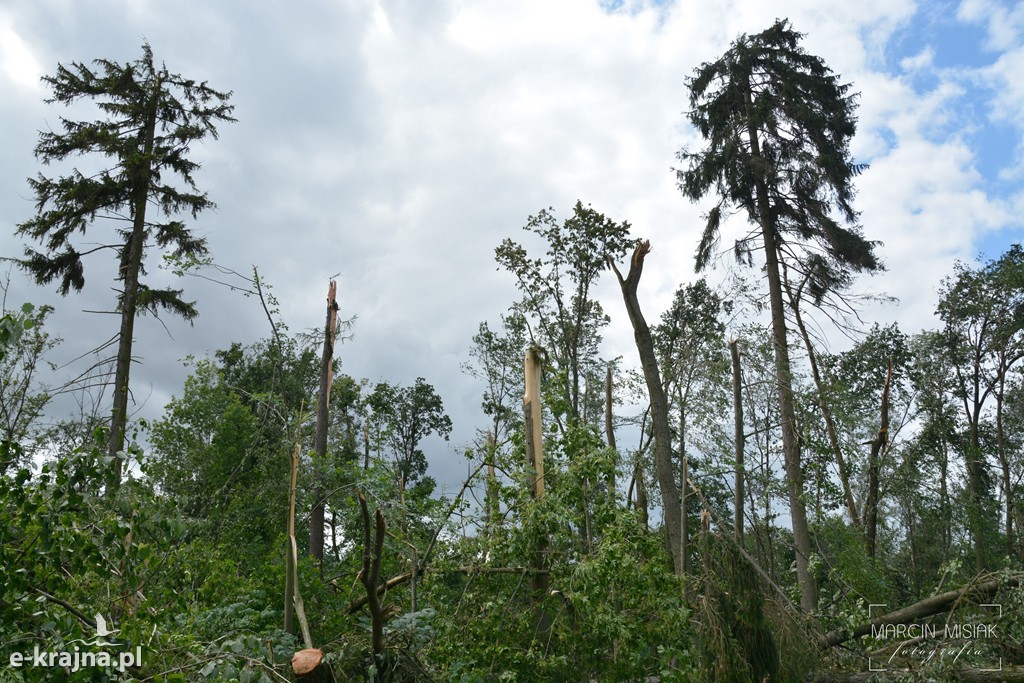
659	403
316	515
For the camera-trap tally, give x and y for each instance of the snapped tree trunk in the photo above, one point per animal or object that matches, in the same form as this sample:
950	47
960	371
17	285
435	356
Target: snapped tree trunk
535	456
659	403
316	515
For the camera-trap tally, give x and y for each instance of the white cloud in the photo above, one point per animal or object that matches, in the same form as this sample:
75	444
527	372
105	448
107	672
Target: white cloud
398	142
17	62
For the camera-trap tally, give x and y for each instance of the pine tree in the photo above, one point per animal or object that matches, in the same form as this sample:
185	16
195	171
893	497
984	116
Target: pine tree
150	119
778	123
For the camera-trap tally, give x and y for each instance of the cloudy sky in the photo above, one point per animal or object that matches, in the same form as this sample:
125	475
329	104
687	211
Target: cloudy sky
395	143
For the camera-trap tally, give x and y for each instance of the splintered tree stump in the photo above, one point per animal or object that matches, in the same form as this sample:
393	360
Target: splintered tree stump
308	665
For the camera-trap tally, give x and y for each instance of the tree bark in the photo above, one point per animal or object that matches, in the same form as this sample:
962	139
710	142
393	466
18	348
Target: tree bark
739	438
131	264
874	468
659	403
787	409
826	413
373	549
316	515
535	455
609	429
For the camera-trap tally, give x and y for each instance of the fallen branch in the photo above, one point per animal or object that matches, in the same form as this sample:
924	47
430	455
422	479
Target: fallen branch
930	606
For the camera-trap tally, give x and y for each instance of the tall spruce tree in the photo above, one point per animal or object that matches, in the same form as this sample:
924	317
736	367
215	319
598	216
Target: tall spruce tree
150	120
777	124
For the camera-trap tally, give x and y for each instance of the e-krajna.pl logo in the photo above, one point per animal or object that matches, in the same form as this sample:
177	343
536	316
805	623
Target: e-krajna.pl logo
97	652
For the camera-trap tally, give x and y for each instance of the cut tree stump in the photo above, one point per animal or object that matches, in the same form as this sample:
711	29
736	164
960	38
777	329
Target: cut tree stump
309	665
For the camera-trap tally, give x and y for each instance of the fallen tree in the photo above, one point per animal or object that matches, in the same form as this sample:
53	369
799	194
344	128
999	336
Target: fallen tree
930	606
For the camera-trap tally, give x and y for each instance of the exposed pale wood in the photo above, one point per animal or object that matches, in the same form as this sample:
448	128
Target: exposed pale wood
532	417
289	560
305	661
316	515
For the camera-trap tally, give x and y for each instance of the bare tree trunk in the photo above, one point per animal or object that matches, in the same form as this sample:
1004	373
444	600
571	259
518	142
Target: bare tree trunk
874	466
289	564
131	264
684	478
609	429
739	438
373	549
641	495
366	448
316	515
784	377
535	456
492	512
935	604
659	404
1004	463
826	413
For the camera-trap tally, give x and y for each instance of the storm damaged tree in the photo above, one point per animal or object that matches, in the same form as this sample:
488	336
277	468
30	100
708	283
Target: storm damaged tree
670	495
777	125
150	119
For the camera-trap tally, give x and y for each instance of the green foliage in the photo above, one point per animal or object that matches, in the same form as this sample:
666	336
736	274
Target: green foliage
559	305
130	95
404	416
797	165
24	344
616	614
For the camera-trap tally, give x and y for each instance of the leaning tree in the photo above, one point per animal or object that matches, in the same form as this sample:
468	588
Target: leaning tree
777	125
150	119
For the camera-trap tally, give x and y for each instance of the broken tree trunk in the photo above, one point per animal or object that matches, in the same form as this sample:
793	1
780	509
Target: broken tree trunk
659	404
309	667
292	595
316	515
535	463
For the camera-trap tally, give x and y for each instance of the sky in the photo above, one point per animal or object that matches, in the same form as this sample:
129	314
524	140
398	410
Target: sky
393	144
